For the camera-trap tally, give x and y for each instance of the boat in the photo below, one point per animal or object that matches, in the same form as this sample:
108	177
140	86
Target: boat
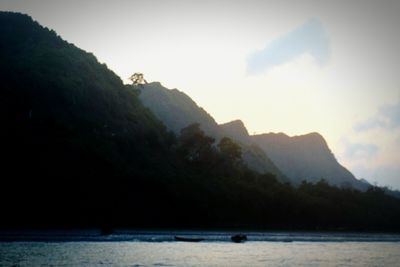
188	239
239	238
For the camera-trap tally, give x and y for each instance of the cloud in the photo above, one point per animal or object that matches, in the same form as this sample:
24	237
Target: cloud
387	117
309	38
356	151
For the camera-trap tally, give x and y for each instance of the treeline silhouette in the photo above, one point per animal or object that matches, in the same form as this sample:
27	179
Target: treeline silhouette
80	150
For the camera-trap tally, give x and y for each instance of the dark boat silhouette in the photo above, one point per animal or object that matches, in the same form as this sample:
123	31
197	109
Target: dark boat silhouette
239	238
188	239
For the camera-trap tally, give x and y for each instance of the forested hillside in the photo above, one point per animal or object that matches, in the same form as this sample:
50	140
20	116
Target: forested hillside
80	150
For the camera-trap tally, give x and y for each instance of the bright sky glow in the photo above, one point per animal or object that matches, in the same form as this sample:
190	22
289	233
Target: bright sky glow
280	66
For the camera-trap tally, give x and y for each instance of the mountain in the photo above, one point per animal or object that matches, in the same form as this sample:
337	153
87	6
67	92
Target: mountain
177	110
72	134
365	182
80	150
254	156
237	130
306	157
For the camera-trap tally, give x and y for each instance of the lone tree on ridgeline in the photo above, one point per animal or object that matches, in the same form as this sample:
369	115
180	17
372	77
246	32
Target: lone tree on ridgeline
138	79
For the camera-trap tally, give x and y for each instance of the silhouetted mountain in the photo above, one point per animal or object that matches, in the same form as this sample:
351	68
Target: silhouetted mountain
80	150
365	182
71	131
236	130
306	157
177	110
253	155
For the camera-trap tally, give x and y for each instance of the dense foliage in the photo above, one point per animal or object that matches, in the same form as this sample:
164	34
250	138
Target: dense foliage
71	132
80	150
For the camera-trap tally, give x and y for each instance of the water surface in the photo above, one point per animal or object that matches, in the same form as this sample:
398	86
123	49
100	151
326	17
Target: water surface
159	249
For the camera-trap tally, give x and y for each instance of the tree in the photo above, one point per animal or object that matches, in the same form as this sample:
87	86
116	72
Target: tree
137	79
230	149
195	145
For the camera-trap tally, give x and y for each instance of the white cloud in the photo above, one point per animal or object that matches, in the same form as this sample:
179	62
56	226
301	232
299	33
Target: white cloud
310	38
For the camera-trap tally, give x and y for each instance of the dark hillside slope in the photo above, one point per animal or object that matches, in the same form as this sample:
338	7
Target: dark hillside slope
80	150
176	109
70	128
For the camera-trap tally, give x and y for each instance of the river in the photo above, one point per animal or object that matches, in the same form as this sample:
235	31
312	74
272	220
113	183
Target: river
158	248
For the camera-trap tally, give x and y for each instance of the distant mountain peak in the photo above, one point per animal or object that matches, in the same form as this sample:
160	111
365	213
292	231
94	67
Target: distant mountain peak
310	136
305	157
237	130
314	134
311	140
236	122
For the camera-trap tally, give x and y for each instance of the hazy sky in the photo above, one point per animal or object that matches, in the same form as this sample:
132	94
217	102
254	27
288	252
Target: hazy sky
280	66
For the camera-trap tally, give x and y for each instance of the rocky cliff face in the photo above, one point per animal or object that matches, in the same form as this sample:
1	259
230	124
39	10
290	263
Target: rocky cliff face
306	157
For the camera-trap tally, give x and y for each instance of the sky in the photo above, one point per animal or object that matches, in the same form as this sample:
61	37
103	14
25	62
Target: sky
279	66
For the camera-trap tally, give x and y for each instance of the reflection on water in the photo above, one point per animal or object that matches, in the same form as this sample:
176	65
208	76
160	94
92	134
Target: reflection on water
124	253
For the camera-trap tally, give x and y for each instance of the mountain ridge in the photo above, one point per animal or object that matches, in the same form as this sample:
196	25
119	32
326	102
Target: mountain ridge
177	110
80	150
306	157
237	130
303	157
72	131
